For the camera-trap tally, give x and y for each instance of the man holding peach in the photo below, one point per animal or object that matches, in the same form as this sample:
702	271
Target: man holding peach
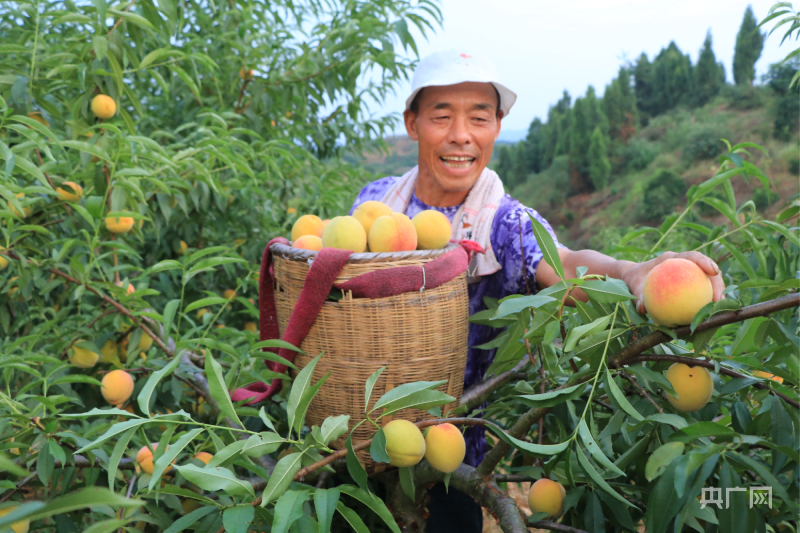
454	113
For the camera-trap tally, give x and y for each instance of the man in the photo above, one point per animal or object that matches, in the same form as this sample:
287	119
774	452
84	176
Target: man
454	113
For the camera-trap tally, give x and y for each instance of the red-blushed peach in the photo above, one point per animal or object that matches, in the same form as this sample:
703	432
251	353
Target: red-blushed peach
547	496
345	233
392	233
117	387
675	291
308	242
444	447
693	384
307	225
369	211
433	229
404	443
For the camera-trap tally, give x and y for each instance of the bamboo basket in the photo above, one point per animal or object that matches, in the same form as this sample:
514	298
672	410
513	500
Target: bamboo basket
418	336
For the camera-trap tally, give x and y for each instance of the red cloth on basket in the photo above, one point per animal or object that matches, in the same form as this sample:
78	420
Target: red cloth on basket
325	268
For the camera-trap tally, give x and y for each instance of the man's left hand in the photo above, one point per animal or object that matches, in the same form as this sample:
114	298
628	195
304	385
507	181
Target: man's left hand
635	275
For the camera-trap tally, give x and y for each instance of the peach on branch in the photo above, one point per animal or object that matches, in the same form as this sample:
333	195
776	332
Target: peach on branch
345	233
119	224
144	457
392	233
3	260
183	247
444	447
308	242
109	353
307	225
83	358
229	294
21	526
547	496
70	191
104	106
693	384
26	210
404	443
251	327
369	211
145	342
675	291
433	229
117	387
204	456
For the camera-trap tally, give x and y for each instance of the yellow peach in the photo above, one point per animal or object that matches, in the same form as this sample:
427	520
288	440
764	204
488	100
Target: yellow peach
433	229
83	358
404	443
129	289
308	242
444	447
119	224
307	225
21	526
183	247
547	496
675	291
229	294
767	375
369	211
145	342
3	260
109	353
38	117
201	312
27	210
345	233
72	193
145	458
117	387
204	456
392	233
693	384
251	327
104	106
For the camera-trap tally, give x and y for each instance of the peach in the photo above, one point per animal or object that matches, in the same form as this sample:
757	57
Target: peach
104	106
693	385
547	496
433	229
21	526
767	375
109	353
202	312
128	290
392	233
26	209
345	233
404	443
72	193
119	224
369	212
145	458
444	447
3	260
251	327
145	342
675	291
38	117
83	358
307	225
325	223
204	456
188	505
229	294
183	247
117	387
308	242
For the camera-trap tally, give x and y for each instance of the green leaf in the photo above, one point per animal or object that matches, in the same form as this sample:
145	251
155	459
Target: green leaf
377	447
399	394
226	452
288	509
766	475
606	292
597	478
701	429
407	482
238	518
167	264
547	245
594	449
203	302
114	431
300	385
89	148
510	306
169	455
619	398
214	479
281	477
422	400
189	520
116	455
81	499
152	382
370	385
553	397
218	390
305	401
325	503
577	333
354	466
661	458
7	465
352	518
539	450
373	502
332	428
262	444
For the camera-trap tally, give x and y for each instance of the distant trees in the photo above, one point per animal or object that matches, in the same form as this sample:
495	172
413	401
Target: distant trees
749	44
664	83
599	166
709	76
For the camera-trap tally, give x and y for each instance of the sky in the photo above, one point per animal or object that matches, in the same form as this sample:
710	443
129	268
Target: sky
541	47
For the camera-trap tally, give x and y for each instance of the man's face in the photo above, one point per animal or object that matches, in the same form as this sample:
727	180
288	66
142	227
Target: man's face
456	127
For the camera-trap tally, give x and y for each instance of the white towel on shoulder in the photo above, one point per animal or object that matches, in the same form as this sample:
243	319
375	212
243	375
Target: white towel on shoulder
472	221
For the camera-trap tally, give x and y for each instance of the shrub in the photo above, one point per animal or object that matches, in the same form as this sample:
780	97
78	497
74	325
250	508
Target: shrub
702	145
636	155
764	199
663	192
743	97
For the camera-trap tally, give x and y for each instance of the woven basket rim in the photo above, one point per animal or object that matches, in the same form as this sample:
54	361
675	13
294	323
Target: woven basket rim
299	254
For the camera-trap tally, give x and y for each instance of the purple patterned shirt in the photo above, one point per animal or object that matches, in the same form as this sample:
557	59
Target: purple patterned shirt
510	279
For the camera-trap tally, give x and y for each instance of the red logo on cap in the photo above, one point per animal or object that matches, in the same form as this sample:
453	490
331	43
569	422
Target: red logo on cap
465	56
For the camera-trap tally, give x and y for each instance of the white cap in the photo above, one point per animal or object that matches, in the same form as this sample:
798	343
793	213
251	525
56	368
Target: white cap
450	67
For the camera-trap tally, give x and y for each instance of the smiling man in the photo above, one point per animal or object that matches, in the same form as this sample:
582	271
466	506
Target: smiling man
454	113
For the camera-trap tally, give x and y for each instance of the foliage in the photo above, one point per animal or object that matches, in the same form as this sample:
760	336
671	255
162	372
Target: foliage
586	116
749	44
661	195
599	167
709	75
702	144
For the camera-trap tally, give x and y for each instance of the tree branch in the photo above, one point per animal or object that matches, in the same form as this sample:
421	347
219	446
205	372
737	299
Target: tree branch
554	526
480	392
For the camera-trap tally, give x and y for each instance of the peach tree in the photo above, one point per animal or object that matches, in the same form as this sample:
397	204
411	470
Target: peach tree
229	120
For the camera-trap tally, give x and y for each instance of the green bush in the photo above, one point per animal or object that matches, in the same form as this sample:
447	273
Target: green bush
663	192
701	145
636	155
743	97
764	199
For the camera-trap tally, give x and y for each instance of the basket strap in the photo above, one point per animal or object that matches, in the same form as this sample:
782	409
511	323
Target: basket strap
323	272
